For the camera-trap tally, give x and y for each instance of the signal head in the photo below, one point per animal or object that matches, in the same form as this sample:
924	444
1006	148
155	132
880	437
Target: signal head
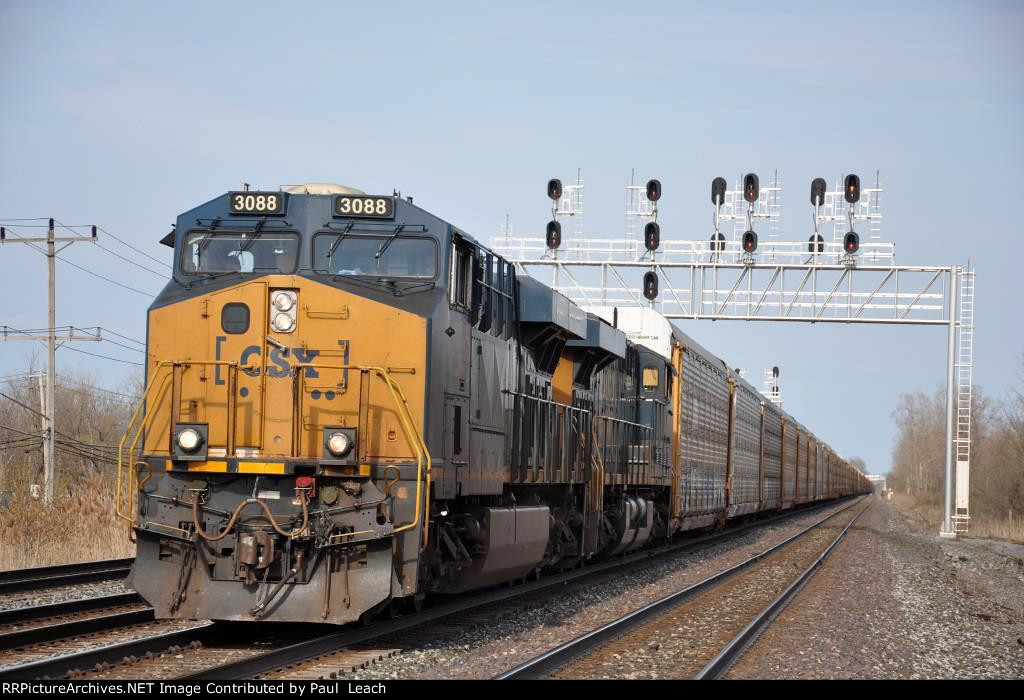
650	285
816	244
554	189
749	242
751	188
818	187
554	235
718	186
851	189
851	242
717	242
653	190
652	235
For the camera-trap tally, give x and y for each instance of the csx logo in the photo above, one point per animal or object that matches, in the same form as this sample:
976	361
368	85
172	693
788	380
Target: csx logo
279	360
278	364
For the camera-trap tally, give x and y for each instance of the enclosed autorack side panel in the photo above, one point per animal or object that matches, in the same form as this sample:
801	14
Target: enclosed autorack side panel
746	449
705	399
772	456
790	446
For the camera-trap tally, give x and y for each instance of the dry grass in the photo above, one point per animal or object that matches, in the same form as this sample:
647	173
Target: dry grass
81	527
1010	528
929	517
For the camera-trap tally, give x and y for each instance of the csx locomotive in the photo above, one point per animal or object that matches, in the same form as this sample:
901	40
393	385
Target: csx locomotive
351	404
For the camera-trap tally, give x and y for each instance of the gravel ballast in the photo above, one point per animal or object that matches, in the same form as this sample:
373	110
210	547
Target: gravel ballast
897	602
483	649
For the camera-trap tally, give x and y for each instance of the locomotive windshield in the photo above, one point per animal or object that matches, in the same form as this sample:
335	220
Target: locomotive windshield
239	251
375	255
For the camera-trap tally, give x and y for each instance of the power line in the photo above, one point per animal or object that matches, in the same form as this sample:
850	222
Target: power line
72	227
84	454
82	386
122	345
88	271
20	440
121	336
15	430
118	255
20	375
169	267
96	274
25	443
50	423
99	329
26	407
105	357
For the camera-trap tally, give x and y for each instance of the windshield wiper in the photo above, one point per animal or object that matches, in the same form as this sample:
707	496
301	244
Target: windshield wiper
337	242
384	246
256	232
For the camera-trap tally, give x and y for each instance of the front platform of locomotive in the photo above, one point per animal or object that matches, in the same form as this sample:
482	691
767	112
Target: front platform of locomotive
277	467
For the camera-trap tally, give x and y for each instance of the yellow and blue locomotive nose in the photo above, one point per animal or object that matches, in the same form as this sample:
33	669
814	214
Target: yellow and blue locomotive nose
284	443
269	364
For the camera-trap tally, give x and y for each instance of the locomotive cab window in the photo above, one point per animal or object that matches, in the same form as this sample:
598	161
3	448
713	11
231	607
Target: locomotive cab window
263	252
650	378
462	275
375	255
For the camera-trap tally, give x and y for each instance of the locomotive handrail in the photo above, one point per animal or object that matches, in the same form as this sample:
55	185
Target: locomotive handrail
412	435
612	419
126	483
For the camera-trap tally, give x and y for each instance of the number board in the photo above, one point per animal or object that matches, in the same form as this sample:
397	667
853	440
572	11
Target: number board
364	206
256	202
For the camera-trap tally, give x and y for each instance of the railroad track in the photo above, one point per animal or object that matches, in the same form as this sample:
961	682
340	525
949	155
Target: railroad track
75	655
63	575
348	648
45	623
697	623
210	651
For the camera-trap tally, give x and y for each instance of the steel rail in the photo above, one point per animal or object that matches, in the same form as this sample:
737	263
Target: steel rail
67	607
555	658
295	653
736	647
60	666
63	574
73	628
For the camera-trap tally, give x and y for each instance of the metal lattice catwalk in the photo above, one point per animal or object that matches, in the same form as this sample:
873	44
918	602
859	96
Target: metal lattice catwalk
780	282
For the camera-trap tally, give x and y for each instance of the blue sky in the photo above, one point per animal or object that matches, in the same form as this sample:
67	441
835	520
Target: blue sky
125	114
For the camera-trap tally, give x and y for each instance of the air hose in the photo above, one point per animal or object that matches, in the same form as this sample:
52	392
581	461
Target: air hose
238	511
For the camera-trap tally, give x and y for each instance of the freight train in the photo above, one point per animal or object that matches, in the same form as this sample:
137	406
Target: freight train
352	404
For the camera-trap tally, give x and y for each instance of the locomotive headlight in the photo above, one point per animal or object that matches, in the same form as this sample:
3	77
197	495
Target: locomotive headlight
283	301
283	322
339	444
189	440
283	308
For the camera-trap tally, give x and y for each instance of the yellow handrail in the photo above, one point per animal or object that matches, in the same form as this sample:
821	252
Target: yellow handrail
126	483
412	435
126	461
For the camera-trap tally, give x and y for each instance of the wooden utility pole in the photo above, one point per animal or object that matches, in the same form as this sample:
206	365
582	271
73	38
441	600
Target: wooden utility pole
50	339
